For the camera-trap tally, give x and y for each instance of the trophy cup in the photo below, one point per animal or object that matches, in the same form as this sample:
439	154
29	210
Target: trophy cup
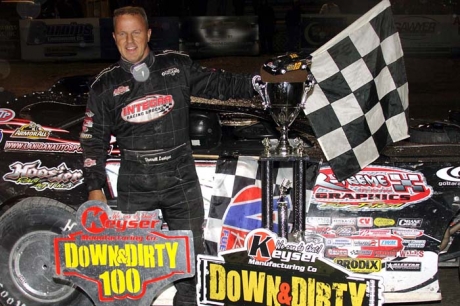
284	97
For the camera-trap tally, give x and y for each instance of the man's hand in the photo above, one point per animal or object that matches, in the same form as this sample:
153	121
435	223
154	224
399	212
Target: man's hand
97	195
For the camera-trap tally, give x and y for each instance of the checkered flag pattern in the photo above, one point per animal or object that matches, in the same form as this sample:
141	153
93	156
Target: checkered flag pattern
165	108
232	175
360	103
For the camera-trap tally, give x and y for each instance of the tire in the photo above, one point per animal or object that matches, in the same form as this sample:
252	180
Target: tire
26	273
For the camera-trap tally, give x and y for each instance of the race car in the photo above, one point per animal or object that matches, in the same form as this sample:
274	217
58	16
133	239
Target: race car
403	207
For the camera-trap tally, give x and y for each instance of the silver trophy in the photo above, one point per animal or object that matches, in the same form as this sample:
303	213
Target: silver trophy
284	101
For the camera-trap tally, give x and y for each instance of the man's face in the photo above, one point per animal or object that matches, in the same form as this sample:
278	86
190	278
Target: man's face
131	37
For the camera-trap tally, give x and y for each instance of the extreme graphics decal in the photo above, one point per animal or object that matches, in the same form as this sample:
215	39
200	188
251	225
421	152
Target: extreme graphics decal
373	188
119	258
147	108
40	178
269	270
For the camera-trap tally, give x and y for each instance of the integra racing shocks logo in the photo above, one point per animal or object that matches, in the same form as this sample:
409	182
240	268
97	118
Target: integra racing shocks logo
148	108
373	188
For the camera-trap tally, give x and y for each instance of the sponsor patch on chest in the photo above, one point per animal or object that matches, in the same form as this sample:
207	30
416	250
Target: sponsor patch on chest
148	108
120	90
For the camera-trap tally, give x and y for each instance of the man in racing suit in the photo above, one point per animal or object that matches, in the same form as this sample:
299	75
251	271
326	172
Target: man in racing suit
143	100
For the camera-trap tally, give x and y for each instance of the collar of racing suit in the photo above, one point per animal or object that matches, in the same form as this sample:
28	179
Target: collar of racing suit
149	60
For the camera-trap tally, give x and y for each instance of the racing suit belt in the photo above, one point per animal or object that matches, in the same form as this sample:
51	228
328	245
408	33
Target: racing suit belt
155	156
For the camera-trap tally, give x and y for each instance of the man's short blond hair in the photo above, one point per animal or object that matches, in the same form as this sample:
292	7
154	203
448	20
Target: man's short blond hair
130	10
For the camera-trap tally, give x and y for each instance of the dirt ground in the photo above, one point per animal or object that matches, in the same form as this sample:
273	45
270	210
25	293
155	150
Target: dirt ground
434	83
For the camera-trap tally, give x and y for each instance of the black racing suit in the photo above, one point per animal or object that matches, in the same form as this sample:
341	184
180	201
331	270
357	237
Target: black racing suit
150	121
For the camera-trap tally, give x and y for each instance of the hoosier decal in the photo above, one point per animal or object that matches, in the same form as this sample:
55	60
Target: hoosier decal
41	178
373	188
147	108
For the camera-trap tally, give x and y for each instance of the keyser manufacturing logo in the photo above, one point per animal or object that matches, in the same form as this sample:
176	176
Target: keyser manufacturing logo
269	270
96	220
123	259
373	188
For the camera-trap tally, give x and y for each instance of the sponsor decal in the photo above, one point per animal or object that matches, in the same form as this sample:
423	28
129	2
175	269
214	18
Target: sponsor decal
88	122
364	221
384	253
414	244
320	230
148	108
381	222
171	71
360	265
89	113
360	253
88	162
389	242
374	232
408	232
64	147
373	188
450	176
403	266
86	136
345	230
41	178
6	115
269	270
319	220
120	90
339	242
411	253
116	257
409	222
365	242
343	221
31	131
333	253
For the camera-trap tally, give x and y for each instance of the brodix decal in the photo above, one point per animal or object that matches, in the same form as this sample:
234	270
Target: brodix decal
122	259
271	271
373	188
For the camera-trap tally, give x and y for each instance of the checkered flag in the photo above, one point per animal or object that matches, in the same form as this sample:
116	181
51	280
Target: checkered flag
360	103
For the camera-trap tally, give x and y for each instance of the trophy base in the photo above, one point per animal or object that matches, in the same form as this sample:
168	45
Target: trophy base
282	148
